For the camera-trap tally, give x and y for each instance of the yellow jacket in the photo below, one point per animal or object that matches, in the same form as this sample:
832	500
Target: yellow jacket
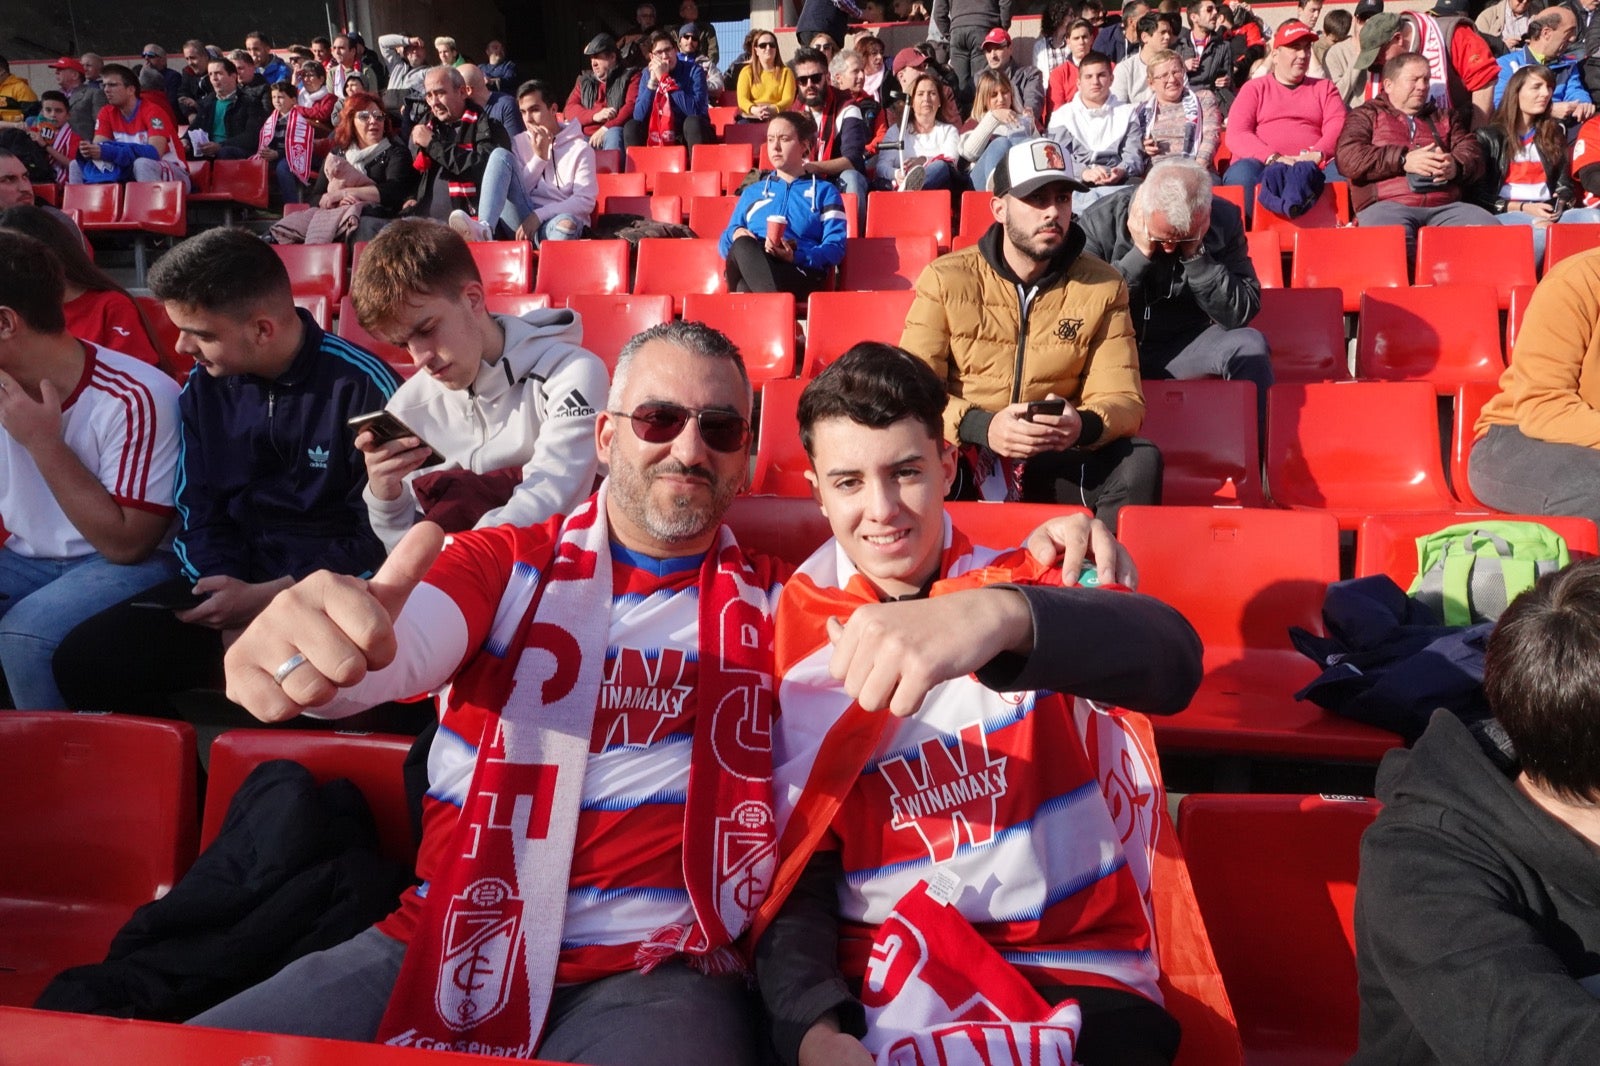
1551	390
966	321
17	88
775	87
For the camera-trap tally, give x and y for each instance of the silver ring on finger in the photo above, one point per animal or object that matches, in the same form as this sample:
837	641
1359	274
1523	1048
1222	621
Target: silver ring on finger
290	665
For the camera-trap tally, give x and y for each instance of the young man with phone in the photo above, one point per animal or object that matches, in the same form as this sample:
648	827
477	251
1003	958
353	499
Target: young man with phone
269	479
509	403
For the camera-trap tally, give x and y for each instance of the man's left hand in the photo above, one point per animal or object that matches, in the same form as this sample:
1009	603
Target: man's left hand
232	603
31	423
1072	538
891	655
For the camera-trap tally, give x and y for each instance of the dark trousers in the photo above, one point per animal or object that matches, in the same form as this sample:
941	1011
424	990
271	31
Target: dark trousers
1514	472
1120	1028
1103	479
694	130
750	269
133	660
966	56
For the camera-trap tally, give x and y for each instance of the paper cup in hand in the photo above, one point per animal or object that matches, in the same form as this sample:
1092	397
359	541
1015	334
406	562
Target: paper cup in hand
776	224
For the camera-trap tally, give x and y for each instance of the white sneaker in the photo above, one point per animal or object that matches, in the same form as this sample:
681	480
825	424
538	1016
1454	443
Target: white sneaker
470	228
914	179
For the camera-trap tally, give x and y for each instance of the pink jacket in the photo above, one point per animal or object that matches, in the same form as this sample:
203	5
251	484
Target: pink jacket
564	184
1269	116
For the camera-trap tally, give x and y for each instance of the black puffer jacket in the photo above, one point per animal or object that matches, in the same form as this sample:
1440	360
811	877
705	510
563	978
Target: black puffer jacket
1497	152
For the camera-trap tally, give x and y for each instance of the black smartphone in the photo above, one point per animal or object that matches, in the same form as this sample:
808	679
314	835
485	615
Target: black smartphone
173	597
386	427
1046	407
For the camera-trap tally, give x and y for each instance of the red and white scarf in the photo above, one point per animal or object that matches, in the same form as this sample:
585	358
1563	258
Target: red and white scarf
481	967
1430	41
66	144
661	130
298	138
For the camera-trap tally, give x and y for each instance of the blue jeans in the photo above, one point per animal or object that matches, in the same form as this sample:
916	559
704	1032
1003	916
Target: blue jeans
561	227
289	187
45	599
853	181
613	141
938	174
1522	218
501	196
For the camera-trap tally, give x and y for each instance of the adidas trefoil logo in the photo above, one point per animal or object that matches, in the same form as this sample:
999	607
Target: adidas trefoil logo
318	457
574	405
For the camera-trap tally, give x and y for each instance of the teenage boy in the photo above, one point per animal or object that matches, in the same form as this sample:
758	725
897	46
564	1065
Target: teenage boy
1042	916
508	403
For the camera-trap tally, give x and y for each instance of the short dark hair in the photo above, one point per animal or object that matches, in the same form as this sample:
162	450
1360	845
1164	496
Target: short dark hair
227	64
228	271
656	37
1192	5
263	37
1394	66
1093	59
411	257
54	94
1544	22
1147	23
323	41
31	282
807	54
1130	6
545	90
874	385
805	127
1337	22
286	87
126	73
1541	675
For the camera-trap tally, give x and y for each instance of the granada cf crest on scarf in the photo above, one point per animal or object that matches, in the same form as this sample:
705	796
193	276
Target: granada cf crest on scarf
480	949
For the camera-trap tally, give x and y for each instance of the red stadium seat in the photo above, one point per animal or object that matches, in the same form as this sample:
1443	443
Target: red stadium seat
235	182
679	267
516	304
314	269
608	161
318	306
581	268
722	117
97	205
505	266
976	218
1266	254
1469	400
836	321
1351	260
761	324
1234	194
1566	239
199	176
656	208
1301	853
885	264
1324	214
371	761
852	214
1355	448
150	207
1442	334
1206	430
48	193
688	184
1498	257
609	185
653	161
732	161
352	331
1305	330
99	820
1387	543
752	133
910	214
1520	295
611	320
781	461
166	335
709	215
1243	576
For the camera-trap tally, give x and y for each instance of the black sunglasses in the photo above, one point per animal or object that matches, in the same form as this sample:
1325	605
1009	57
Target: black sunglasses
660	423
807	79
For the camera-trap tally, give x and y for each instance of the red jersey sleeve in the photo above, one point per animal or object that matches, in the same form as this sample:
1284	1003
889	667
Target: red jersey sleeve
1470	55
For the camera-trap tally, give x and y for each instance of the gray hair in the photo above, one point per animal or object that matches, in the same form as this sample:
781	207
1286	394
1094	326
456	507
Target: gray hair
845	60
451	75
695	337
1177	186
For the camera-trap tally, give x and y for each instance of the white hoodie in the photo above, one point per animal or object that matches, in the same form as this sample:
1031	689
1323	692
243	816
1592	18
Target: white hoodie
564	184
533	408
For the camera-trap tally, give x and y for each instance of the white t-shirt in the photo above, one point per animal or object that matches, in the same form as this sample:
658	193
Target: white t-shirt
121	421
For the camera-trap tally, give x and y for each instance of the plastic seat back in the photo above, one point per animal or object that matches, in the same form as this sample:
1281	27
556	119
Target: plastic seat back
976	218
155	207
48	193
504	266
1442	334
318	306
688	184
837	321
1387	543
656	208
760	324
1351	260
1301	853
657	160
1234	194
1569	238
352	330
314	269
1520	295
166	334
371	761
910	214
243	181
709	215
722	117
781	462
752	133
1324	214
1266	255
100	819
679	267
611	320
609	185
581	268
1355	448
517	303
1496	257
1305	332
608	161
885	264
97	205
1206	430
1469	400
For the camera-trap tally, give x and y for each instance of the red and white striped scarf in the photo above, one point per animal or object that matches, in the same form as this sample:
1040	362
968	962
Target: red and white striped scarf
481	967
66	144
298	141
661	129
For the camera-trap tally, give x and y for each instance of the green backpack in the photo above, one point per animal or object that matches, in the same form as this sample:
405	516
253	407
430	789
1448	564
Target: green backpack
1471	572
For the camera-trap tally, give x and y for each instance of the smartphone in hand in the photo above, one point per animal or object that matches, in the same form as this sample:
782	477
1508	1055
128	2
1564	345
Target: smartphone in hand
385	427
1046	407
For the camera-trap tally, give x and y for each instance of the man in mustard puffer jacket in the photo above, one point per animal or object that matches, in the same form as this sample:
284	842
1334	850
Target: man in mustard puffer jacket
1024	318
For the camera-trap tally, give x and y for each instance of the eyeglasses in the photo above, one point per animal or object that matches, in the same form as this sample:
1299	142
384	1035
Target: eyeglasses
370	116
149	55
808	79
661	423
664	53
766	44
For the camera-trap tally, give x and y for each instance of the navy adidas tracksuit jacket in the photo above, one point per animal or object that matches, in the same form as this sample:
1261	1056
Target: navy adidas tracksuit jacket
269	479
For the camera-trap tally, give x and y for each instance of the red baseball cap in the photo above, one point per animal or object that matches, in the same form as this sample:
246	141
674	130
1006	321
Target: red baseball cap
68	63
908	57
997	36
1292	33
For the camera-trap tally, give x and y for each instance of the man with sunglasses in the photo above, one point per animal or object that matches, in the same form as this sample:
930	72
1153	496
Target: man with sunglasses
842	131
507	403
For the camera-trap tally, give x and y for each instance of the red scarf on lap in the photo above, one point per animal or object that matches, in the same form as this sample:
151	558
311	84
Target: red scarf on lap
661	130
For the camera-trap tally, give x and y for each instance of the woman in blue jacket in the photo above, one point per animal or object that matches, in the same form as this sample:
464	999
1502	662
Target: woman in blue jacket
796	261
